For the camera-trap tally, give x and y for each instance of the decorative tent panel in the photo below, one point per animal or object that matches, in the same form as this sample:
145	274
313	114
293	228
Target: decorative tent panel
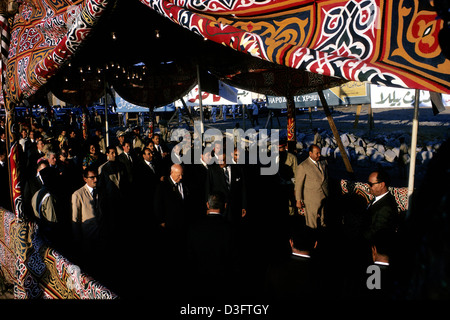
392	43
44	35
39	271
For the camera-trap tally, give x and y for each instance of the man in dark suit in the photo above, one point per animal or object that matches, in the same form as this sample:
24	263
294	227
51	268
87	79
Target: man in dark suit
229	180
383	247
127	160
382	212
171	202
171	214
146	177
213	252
34	154
196	175
297	278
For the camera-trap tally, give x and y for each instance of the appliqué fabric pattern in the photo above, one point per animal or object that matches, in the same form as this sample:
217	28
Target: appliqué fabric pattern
392	43
37	270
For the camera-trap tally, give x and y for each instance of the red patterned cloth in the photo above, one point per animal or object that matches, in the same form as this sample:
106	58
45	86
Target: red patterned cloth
393	43
361	188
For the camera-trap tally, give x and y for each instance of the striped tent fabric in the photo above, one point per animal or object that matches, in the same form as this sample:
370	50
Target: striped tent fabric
4	49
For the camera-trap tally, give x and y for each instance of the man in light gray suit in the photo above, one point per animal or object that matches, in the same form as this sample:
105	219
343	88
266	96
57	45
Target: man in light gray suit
311	188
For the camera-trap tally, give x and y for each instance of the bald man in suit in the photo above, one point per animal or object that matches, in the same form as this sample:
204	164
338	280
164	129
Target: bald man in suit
311	188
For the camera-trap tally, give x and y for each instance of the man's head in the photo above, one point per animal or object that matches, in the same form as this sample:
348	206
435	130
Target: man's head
222	159
206	157
383	243
302	238
121	139
40	144
111	153
314	152
41	165
147	154
216	203
236	154
218	148
126	147
176	173
378	183
90	176
51	158
156	139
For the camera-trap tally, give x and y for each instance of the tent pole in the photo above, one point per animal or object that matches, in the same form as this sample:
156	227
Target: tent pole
200	102
291	128
347	164
106	114
412	163
12	145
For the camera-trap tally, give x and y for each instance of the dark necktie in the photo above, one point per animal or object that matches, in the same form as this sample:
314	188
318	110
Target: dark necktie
179	189
95	197
227	176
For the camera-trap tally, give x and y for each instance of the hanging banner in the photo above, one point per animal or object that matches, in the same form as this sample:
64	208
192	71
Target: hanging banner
125	106
387	97
209	99
349	93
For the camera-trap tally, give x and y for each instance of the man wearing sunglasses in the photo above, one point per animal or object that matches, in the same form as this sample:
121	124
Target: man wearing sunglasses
382	211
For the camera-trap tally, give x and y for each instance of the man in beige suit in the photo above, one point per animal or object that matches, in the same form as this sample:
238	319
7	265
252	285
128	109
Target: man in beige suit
311	187
86	216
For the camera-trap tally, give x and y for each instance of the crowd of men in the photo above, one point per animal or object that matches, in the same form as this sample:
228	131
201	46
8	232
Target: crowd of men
109	208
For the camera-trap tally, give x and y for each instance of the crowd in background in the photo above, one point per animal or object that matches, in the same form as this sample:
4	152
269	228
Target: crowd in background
158	224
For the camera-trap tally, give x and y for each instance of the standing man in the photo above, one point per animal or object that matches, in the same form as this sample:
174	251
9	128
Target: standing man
228	180
137	143
286	172
382	212
86	218
255	112
121	140
146	177
213	253
171	202
112	180
127	160
311	188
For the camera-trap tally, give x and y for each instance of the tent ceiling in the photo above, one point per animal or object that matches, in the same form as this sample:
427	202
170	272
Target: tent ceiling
167	54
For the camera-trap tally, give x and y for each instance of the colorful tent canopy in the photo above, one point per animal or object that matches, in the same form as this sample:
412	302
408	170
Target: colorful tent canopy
392	43
384	42
44	36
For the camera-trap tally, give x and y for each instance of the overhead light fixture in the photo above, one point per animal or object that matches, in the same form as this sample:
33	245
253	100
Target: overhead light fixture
157	34
113	35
